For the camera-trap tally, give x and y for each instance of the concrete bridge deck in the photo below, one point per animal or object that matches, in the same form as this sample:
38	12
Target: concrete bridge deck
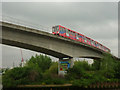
60	47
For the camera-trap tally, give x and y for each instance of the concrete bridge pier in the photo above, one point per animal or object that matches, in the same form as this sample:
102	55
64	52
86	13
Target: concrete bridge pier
63	65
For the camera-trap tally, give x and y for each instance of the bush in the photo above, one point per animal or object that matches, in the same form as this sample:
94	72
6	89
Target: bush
15	76
117	70
78	71
82	83
52	72
41	70
30	73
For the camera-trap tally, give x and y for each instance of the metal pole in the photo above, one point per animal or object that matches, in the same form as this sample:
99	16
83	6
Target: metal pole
22	60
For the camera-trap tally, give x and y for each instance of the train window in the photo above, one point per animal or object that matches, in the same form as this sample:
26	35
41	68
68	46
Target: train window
77	36
61	29
98	45
64	30
85	39
56	28
80	36
73	34
88	40
102	47
92	42
53	29
67	32
107	50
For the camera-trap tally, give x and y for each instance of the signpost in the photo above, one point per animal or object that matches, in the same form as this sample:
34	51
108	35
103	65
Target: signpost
64	65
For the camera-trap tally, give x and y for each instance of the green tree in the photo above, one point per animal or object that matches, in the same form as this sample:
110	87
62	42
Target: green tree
78	71
107	66
117	70
52	72
15	76
40	62
96	65
32	72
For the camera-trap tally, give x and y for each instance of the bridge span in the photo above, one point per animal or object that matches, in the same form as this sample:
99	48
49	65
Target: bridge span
32	39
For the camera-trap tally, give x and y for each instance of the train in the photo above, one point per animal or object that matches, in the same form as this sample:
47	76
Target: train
68	33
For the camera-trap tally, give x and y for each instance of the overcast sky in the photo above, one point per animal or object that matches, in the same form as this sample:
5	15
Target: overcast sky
97	20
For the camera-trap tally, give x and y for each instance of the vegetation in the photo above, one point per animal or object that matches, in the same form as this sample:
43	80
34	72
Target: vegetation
105	70
41	70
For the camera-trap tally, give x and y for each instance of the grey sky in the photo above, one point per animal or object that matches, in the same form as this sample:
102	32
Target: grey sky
98	21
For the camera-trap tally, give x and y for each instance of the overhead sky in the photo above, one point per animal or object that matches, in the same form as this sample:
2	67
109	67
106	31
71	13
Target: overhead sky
97	20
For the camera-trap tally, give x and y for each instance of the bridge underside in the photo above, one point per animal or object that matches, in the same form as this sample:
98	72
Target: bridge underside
34	48
47	43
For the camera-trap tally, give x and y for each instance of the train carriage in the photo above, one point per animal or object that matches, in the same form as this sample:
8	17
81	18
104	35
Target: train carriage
68	33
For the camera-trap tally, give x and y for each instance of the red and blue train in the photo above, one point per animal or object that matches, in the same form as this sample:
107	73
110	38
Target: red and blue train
68	33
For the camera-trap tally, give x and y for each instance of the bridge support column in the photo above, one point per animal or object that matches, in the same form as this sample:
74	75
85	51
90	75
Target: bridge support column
63	65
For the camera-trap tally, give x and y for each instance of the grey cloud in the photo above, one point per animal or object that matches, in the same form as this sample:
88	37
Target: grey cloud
95	20
85	12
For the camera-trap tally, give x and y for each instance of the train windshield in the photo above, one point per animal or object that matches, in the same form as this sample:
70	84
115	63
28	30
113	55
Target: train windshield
55	29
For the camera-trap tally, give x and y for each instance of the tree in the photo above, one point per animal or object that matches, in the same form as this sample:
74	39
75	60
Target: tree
32	72
96	65
40	62
52	72
15	76
117	70
107	66
78	71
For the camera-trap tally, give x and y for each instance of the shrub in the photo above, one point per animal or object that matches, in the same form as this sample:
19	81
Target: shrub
15	76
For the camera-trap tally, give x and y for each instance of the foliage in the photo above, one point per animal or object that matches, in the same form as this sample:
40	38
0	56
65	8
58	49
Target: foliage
78	71
41	70
39	62
96	65
105	70
15	76
51	75
52	72
30	73
117	70
54	81
107	66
